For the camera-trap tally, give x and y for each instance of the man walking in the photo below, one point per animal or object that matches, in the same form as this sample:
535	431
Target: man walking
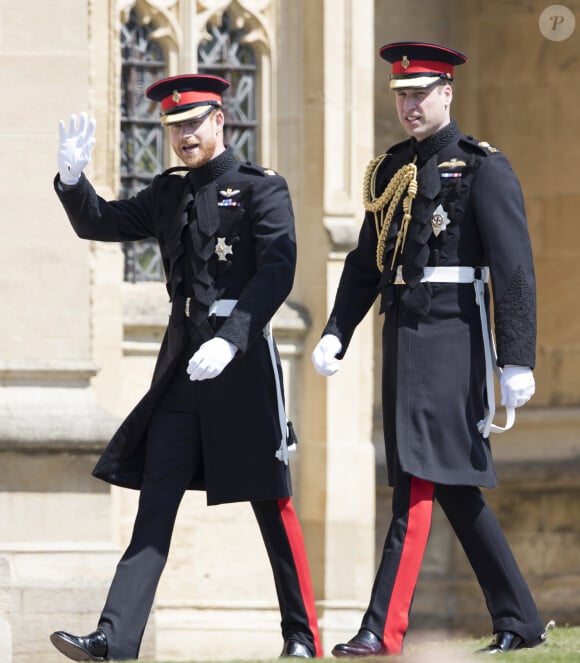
213	418
443	212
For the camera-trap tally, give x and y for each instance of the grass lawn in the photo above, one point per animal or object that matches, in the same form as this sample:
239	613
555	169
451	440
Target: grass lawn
562	646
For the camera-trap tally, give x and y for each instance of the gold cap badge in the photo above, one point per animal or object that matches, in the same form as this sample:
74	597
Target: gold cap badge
176	97
405	62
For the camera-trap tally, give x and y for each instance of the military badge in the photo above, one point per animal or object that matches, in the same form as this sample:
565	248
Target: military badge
222	249
453	168
439	220
228	195
488	147
452	164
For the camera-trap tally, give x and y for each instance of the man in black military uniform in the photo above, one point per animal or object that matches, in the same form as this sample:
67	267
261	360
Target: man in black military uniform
213	418
443	211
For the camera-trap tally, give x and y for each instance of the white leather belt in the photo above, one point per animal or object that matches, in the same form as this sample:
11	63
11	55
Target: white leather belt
283	449
486	425
222	308
446	274
478	276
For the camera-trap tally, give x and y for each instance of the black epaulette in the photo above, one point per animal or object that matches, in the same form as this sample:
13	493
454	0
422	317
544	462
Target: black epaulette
248	166
481	147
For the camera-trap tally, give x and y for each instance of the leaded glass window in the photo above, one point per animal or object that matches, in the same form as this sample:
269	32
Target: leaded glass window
142	148
225	54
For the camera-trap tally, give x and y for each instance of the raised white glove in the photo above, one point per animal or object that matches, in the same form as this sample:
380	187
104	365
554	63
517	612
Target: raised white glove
211	359
517	385
324	355
75	148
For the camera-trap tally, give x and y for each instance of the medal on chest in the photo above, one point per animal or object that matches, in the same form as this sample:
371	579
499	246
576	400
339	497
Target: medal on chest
228	198
439	220
223	249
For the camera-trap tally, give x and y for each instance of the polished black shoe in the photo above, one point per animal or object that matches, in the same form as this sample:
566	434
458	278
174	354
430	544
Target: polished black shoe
92	647
295	649
364	643
507	641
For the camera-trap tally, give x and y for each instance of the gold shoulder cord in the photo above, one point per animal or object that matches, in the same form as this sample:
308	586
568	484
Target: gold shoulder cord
404	178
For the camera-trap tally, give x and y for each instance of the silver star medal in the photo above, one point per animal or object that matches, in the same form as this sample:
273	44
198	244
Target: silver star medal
222	249
439	220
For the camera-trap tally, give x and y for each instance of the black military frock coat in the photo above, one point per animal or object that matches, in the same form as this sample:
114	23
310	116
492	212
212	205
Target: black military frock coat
433	358
250	208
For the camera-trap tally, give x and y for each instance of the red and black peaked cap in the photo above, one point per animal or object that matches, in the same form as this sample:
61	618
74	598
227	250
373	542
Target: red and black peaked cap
420	64
187	97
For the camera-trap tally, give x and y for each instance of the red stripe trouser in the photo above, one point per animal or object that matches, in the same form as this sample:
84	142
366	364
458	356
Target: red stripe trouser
506	593
284	543
132	590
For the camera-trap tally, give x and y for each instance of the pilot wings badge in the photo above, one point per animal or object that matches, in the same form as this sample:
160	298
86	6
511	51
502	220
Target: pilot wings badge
228	198
439	220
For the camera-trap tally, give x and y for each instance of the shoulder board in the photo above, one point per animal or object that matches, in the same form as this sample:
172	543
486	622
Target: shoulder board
258	170
480	146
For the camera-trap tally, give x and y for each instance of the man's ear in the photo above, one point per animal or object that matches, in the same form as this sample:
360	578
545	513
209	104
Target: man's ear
448	93
220	118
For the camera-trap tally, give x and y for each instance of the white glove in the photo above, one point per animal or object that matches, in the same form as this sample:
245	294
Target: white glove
75	148
517	385
324	355
211	359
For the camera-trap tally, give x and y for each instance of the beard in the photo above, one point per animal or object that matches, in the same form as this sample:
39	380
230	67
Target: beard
195	157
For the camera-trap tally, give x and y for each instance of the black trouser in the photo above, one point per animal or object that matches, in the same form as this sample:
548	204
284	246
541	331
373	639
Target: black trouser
173	454
507	596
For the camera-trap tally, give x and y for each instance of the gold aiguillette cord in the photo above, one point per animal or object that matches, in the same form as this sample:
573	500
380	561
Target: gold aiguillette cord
404	179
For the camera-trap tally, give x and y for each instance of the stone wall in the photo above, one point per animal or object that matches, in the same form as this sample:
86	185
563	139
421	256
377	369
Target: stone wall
5	604
78	344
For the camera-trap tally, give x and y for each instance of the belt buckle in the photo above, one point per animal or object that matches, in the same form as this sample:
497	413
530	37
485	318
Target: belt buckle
187	303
